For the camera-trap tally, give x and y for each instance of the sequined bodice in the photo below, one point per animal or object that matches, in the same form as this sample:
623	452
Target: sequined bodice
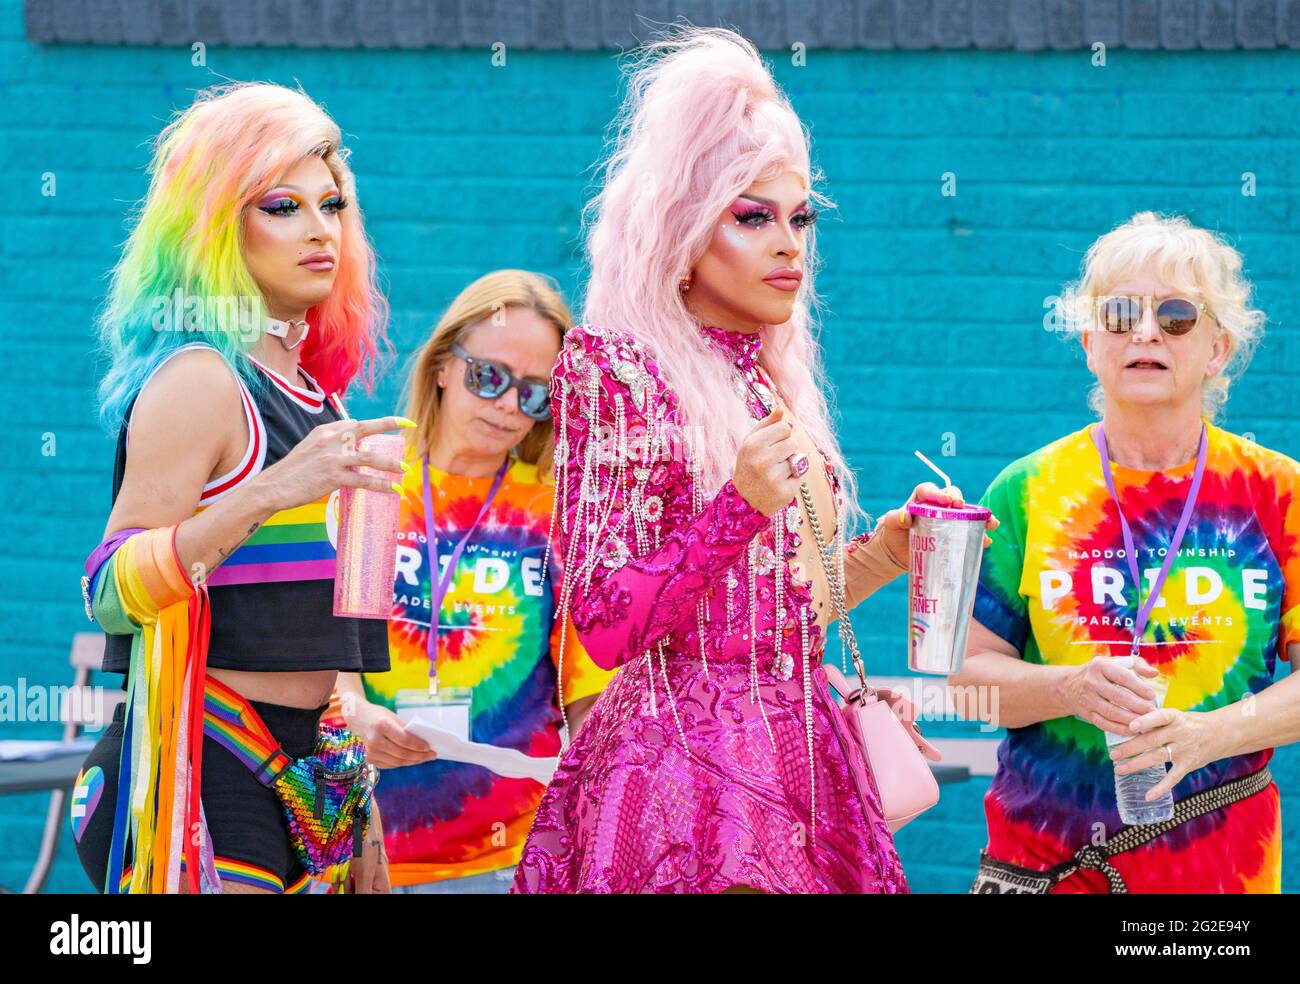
715	757
689	562
756	389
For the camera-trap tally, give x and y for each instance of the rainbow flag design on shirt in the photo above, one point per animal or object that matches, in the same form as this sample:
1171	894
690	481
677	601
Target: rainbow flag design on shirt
1055	584
295	544
498	635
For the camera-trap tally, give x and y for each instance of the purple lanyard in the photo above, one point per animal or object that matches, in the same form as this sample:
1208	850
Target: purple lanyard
438	585
1130	553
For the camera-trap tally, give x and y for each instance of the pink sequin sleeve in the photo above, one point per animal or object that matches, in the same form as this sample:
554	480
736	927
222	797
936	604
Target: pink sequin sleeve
638	556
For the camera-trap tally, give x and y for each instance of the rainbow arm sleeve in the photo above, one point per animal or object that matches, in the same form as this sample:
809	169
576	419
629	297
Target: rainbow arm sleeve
143	590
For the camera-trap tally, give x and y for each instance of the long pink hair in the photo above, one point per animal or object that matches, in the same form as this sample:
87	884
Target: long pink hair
702	120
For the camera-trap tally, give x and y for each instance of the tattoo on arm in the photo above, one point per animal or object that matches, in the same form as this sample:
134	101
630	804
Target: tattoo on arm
225	554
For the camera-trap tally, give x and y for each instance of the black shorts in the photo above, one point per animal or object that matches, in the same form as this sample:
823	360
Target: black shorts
250	837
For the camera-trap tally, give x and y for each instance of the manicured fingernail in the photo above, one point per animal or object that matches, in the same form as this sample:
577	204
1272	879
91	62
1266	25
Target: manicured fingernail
405	422
406	467
395	487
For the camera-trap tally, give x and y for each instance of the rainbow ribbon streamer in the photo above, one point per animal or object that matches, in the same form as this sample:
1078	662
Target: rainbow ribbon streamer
144	591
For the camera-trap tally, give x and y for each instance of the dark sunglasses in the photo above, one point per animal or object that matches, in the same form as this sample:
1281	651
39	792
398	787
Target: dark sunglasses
1174	315
489	380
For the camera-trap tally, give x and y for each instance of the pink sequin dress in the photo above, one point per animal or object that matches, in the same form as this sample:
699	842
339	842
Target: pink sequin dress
708	762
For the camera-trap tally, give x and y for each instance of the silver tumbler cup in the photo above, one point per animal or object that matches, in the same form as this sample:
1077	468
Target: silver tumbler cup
947	545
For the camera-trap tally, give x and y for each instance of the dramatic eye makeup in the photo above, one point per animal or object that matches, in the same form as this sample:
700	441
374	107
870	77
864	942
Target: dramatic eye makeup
333	203
751	214
803	218
279	203
755	215
286	203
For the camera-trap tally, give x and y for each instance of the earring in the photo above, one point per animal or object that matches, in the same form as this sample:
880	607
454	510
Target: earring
684	284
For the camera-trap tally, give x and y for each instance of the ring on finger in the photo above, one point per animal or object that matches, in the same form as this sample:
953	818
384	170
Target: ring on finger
798	464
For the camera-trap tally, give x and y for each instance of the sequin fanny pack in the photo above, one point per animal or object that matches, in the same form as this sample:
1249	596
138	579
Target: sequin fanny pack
326	795
1003	878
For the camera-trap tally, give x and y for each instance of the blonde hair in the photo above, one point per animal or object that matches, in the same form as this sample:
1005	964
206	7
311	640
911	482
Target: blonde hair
1186	258
479	301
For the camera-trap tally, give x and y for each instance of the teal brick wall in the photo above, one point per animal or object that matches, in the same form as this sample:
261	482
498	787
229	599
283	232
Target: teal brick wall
934	305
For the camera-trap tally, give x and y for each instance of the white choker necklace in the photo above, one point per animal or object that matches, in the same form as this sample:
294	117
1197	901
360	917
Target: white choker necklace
281	329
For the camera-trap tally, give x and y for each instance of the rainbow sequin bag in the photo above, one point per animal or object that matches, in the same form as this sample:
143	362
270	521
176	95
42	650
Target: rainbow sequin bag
326	799
326	795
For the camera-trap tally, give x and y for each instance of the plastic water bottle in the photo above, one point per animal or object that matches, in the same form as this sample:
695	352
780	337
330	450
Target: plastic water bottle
1131	789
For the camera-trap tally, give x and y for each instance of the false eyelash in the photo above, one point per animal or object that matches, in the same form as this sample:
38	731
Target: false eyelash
339	205
286	206
807	218
758	213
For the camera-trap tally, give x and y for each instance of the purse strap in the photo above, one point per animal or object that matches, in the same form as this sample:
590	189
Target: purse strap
835	580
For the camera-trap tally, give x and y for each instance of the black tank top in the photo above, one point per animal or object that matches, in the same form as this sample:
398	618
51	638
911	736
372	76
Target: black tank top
273	598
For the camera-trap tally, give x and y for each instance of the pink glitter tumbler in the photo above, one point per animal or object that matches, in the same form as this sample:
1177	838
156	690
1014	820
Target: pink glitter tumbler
367	552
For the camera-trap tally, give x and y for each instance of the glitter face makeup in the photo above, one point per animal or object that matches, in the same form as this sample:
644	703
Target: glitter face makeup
752	270
292	239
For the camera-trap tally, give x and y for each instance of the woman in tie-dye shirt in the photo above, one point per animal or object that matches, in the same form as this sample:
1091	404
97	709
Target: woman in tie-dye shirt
479	393
1166	321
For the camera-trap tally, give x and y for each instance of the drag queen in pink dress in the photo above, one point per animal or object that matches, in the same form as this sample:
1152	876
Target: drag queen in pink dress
696	468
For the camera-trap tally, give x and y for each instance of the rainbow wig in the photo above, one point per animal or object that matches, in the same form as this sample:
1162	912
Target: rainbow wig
702	120
211	162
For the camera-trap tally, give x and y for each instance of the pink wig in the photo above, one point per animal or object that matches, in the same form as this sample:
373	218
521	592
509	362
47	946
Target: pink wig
701	122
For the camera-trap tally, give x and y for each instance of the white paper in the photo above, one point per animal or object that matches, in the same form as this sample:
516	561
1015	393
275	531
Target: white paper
453	718
507	762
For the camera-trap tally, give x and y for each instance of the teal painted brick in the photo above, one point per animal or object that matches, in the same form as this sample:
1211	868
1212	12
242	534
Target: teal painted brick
934	305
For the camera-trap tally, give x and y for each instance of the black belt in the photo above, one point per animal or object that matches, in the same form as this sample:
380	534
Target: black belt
1003	878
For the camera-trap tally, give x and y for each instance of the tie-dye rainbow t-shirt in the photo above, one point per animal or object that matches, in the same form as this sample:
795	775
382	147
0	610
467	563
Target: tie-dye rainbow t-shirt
1056	585
498	635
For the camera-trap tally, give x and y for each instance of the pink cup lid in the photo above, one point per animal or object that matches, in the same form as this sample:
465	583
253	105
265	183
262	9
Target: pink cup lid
967	512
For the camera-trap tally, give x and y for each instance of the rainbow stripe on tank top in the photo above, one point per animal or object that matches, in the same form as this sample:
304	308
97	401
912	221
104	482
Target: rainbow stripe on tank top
293	545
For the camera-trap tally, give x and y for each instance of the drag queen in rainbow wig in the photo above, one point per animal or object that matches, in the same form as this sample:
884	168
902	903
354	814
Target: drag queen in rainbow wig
697	474
242	307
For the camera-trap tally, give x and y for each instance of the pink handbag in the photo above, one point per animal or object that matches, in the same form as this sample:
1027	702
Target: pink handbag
883	723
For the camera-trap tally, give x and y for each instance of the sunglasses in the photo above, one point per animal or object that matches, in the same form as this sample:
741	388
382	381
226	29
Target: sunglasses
1174	315
488	380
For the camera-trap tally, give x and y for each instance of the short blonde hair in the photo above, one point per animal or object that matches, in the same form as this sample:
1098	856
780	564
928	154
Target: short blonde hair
1186	258
476	303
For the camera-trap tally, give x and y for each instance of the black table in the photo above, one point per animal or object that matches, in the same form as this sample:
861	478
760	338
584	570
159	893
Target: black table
59	772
